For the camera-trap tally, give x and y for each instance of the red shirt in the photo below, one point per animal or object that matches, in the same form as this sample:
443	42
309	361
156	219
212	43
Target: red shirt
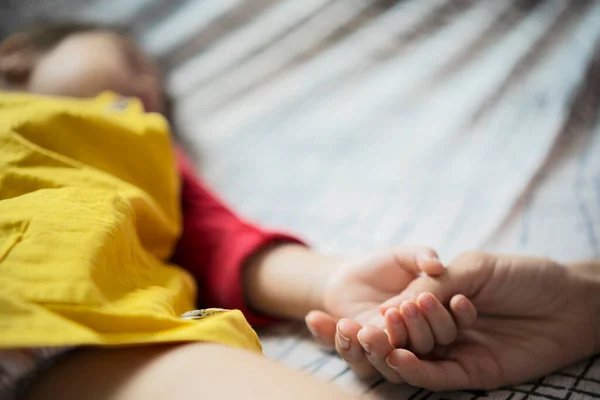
215	243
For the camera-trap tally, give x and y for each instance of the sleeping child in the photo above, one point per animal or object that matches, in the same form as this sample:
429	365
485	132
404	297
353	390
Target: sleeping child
122	276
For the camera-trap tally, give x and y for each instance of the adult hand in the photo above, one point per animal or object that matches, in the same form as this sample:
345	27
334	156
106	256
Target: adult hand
534	317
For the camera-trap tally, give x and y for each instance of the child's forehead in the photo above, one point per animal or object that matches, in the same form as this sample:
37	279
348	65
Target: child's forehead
98	38
97	45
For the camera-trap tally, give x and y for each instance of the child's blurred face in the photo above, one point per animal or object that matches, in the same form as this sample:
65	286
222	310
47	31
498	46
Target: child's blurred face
86	64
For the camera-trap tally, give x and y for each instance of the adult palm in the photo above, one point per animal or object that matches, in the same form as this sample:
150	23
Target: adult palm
534	316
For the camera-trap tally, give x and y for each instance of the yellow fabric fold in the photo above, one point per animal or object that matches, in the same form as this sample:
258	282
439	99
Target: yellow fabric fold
89	212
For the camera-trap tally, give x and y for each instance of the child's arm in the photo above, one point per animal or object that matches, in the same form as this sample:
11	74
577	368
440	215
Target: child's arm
338	296
288	280
240	266
215	244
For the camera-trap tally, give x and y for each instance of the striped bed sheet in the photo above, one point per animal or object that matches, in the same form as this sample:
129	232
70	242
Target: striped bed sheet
361	124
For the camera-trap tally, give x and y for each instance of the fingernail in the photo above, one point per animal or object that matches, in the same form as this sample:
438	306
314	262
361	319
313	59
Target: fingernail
313	331
463	304
427	257
410	309
427	302
365	346
394	315
390	363
343	341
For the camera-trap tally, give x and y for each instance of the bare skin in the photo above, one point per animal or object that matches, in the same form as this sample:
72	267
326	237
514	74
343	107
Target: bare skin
535	316
189	371
284	280
340	298
82	65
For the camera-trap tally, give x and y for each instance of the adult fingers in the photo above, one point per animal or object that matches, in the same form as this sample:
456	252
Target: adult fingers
349	348
322	326
377	348
432	375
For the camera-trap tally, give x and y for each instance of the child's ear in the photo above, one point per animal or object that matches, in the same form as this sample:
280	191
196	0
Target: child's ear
17	58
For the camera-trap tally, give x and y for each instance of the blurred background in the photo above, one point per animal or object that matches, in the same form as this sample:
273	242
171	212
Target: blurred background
362	124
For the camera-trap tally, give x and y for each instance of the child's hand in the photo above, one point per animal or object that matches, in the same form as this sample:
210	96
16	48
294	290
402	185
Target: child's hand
355	293
421	323
422	326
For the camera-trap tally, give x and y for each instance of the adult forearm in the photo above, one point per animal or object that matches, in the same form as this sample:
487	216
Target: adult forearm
589	273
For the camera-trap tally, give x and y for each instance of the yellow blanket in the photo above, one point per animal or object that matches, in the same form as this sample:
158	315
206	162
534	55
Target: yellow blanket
89	212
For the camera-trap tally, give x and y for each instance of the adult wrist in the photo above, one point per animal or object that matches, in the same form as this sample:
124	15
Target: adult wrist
588	272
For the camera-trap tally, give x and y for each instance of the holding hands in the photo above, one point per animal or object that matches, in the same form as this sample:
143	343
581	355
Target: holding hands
485	322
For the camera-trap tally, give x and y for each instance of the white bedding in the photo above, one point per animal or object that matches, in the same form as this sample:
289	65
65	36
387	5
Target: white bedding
361	124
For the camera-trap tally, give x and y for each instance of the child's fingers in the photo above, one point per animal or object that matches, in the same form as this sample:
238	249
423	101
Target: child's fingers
395	328
349	348
322	326
420	337
393	302
465	313
440	321
432	375
377	348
